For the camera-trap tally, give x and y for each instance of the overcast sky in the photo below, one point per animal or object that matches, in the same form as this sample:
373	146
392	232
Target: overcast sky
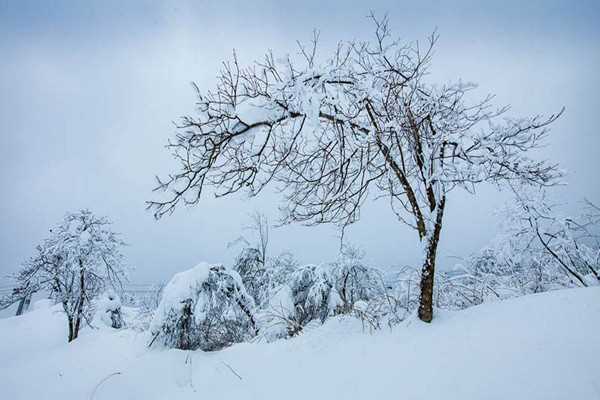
89	90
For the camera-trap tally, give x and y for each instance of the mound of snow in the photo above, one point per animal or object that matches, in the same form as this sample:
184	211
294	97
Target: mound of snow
108	310
536	347
184	285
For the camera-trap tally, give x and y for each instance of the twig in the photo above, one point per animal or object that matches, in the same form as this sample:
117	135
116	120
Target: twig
101	382
232	370
153	339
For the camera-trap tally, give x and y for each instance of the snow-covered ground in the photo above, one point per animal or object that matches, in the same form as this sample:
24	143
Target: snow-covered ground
536	347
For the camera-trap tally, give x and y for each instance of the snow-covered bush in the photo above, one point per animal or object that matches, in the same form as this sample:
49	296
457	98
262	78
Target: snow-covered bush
277	318
250	266
251	262
79	260
570	245
312	295
303	295
281	267
108	310
508	268
536	250
353	281
402	293
269	285
206	307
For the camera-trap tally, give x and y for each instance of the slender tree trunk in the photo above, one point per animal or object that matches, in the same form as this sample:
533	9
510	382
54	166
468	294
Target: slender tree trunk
185	327
79	313
70	319
428	270
77	325
248	314
24	304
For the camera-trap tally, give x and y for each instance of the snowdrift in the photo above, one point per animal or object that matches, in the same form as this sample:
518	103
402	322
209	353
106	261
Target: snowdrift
536	347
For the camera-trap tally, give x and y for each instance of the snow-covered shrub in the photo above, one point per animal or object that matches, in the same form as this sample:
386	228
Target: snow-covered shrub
570	245
268	284
310	294
536	250
311	291
303	295
496	273
108	310
402	293
277	318
249	264
280	268
206	307
353	281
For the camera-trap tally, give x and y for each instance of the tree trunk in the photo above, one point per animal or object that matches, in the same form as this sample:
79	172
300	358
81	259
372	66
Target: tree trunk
428	270
248	314
70	319
77	324
184	341
24	304
82	294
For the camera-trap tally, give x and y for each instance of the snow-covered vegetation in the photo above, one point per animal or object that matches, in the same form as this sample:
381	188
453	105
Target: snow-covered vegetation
333	129
108	310
206	307
78	261
517	319
262	298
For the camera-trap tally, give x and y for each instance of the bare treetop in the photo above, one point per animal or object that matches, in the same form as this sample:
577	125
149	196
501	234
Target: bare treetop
328	132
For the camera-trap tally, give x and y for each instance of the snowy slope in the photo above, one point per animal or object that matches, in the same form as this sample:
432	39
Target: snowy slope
537	347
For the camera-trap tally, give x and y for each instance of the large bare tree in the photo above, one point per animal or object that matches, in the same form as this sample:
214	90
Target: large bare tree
329	133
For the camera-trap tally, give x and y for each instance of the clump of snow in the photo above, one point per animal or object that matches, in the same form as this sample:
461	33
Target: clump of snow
276	318
183	286
108	310
591	280
282	301
361	306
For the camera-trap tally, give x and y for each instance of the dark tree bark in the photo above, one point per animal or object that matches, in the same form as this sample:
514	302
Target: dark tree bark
116	319
79	310
77	326
248	313
24	304
71	330
185	327
428	271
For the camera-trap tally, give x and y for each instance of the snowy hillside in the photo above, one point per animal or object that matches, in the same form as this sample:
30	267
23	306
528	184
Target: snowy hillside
536	347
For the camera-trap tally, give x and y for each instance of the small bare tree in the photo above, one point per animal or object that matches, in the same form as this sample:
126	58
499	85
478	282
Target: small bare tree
329	133
251	262
259	226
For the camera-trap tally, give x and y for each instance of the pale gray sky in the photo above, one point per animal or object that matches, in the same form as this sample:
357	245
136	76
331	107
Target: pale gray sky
89	90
